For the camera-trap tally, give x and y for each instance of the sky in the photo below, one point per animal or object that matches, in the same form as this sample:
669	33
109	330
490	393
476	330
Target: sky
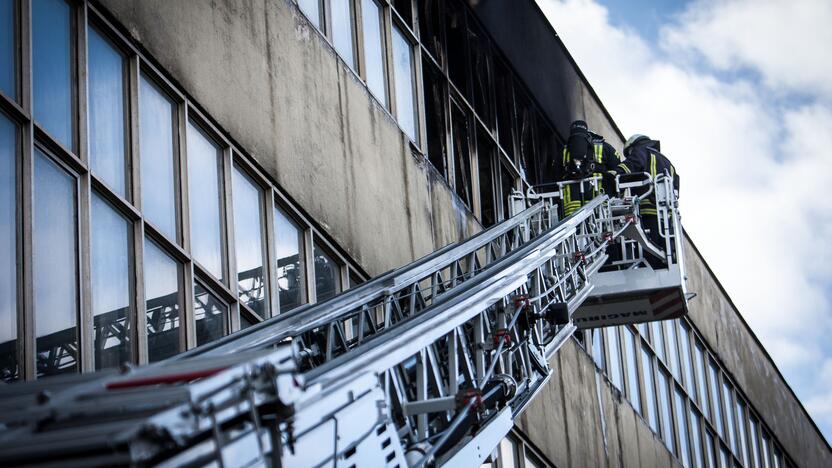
740	94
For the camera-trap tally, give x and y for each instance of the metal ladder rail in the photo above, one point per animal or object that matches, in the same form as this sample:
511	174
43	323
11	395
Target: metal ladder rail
478	330
321	329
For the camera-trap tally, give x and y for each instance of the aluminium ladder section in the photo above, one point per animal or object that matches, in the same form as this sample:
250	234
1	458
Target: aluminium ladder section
248	408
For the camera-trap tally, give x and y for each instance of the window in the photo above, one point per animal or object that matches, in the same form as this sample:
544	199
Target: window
462	156
374	67
658	340
55	281
652	409
508	453
205	199
702	384
405	10
210	315
755	440
342	30
485	158
435	90
9	367
405	89
312	9
614	369
632	368
673	349
598	347
687	366
327	275
729	414
504	94
291	282
507	182
248	237
664	404
724	457
715	405
8	54
52	74
765	448
158	163
456	36
682	428
710	452
481	74
162	279
430	26
740	419
110	273
107	118
696	439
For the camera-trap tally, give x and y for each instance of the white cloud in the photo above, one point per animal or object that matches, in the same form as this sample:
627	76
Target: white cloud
755	170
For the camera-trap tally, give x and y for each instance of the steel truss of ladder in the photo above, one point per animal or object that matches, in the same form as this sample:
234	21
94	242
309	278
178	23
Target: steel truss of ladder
427	364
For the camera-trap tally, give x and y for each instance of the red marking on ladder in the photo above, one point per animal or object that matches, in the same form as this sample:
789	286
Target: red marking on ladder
164	379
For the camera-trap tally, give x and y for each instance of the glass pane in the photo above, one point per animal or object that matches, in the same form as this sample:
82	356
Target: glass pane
52	68
248	235
715	404
765	449
684	348
755	441
9	369
632	369
55	267
205	197
374	49
709	449
649	392
210	314
598	348
403	72
729	414
312	10
664	404
740	420
110	277
658	340
107	119
290	277
682	428
462	156
245	322
485	157
673	349
327	275
614	369
696	440
508	453
161	289
8	64
702	384
156	126
724	458
342	35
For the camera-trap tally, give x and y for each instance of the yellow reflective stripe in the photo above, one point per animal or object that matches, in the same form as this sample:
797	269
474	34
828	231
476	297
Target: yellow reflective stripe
649	211
653	165
624	166
672	171
565	156
599	152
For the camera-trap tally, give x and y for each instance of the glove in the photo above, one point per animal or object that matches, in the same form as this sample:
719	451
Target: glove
608	183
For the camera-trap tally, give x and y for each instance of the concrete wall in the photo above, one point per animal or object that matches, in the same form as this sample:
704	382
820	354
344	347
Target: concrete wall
279	90
277	87
751	367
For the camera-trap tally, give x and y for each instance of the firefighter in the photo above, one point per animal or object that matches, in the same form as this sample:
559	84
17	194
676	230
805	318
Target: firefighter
643	155
585	155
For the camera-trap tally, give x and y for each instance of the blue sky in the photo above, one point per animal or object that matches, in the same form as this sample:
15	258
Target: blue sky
740	94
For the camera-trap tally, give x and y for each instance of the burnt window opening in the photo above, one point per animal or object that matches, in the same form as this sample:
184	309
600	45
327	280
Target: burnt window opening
430	28
457	40
405	10
485	172
506	186
504	94
481	74
547	151
436	95
525	136
462	155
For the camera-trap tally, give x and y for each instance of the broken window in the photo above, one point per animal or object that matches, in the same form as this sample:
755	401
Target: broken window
430	28
525	136
547	150
481	73
456	36
485	170
405	10
461	149
506	186
504	95
436	95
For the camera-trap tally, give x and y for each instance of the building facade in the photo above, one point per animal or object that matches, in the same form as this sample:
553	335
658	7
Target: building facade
175	171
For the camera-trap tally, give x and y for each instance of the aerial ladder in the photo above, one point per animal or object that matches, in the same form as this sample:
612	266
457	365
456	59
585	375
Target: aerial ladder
426	365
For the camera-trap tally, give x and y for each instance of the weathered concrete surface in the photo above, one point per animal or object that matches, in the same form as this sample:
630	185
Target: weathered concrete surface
279	90
751	367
